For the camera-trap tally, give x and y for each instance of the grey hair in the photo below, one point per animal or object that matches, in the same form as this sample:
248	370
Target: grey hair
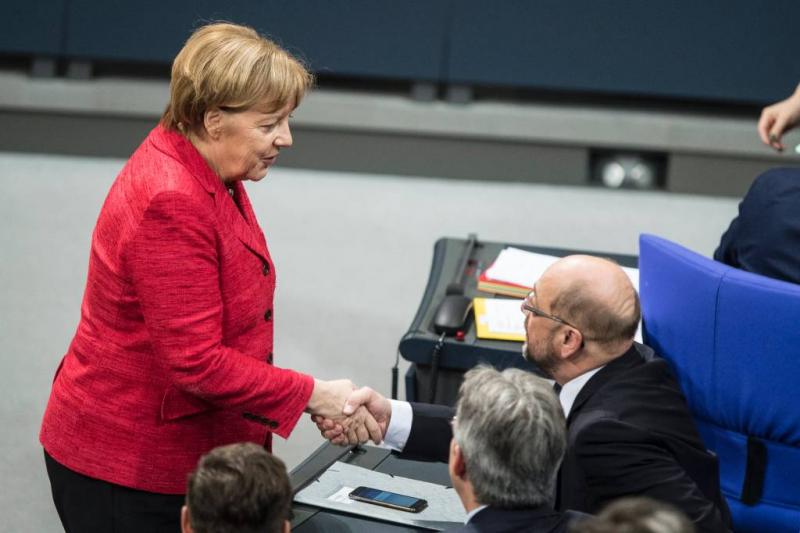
512	433
636	515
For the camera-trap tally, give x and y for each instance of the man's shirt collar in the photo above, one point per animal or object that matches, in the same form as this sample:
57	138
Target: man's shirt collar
571	389
473	512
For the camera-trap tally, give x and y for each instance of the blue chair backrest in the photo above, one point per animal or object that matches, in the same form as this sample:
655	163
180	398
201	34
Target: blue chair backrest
733	339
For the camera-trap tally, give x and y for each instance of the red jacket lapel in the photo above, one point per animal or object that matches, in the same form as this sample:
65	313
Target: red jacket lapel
242	223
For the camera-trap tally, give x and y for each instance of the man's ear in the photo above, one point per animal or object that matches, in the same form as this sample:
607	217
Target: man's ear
186	522
570	341
459	466
287	526
212	122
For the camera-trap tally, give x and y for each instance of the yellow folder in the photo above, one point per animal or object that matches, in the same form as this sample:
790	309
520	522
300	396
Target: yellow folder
499	319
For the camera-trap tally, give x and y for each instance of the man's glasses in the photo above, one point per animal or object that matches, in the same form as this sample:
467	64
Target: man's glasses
538	312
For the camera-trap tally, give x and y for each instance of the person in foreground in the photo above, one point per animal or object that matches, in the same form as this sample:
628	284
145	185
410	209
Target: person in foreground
636	515
173	352
238	488
629	427
505	453
764	238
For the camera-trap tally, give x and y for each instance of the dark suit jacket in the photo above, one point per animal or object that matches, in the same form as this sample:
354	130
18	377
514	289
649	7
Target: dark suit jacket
536	520
765	237
630	433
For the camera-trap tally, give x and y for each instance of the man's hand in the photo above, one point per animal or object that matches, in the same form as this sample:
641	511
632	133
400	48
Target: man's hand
779	118
360	427
345	432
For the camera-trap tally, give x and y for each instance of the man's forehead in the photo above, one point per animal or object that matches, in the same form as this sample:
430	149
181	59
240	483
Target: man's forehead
545	288
569	263
563	273
579	267
603	278
553	274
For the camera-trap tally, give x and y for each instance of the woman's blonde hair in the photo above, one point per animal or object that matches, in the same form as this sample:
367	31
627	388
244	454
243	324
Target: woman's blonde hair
231	66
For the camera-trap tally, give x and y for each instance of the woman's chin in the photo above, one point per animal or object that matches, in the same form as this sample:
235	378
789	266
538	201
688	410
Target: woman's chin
258	175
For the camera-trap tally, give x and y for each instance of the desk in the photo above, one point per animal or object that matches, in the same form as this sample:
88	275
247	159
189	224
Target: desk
457	357
308	519
416	346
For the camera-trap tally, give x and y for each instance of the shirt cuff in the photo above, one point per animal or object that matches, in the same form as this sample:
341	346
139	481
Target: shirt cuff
399	426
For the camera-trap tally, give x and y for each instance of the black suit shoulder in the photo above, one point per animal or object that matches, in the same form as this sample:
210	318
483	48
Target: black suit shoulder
640	393
431	432
630	433
535	520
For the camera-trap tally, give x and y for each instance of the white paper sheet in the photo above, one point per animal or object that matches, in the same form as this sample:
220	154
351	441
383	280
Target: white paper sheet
504	316
519	266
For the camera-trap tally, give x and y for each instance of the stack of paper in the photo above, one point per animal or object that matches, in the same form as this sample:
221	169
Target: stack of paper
515	271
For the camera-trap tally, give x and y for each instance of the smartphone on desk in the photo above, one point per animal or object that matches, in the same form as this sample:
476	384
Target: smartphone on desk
388	499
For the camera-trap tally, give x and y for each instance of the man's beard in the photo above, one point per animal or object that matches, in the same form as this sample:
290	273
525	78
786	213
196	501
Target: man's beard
542	354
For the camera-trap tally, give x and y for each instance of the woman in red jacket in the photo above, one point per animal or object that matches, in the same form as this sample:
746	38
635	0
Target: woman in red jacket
173	353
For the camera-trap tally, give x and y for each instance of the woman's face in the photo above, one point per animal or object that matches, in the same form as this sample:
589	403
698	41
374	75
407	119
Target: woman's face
244	144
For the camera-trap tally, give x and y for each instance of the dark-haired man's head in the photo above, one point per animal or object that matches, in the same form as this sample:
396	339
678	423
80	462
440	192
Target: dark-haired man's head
239	488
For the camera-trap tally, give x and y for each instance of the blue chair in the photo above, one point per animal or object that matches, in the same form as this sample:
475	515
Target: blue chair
733	339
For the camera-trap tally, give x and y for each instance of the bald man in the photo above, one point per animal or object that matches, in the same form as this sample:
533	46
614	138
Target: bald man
629	428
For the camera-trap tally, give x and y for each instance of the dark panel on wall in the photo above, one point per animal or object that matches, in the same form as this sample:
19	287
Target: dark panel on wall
82	135
383	153
735	51
420	155
372	152
31	27
728	50
387	39
707	174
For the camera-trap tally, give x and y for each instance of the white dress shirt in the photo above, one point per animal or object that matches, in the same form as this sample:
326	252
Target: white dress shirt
571	389
399	426
473	512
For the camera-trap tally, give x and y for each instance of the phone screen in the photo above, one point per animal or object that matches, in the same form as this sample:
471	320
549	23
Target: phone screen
388	499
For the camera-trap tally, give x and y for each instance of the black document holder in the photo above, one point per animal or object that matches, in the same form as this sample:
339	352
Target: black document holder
458	356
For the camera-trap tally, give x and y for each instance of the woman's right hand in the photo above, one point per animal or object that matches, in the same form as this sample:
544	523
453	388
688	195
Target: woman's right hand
329	397
779	118
370	418
327	402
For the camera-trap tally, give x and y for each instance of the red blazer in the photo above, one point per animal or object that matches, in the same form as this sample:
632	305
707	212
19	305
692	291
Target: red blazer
173	352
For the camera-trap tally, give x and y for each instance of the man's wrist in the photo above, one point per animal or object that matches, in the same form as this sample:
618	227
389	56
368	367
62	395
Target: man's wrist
398	427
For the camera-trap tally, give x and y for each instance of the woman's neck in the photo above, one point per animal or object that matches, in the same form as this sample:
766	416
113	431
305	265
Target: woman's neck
206	150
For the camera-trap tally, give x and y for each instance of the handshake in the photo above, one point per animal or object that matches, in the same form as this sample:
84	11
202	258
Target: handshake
346	415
